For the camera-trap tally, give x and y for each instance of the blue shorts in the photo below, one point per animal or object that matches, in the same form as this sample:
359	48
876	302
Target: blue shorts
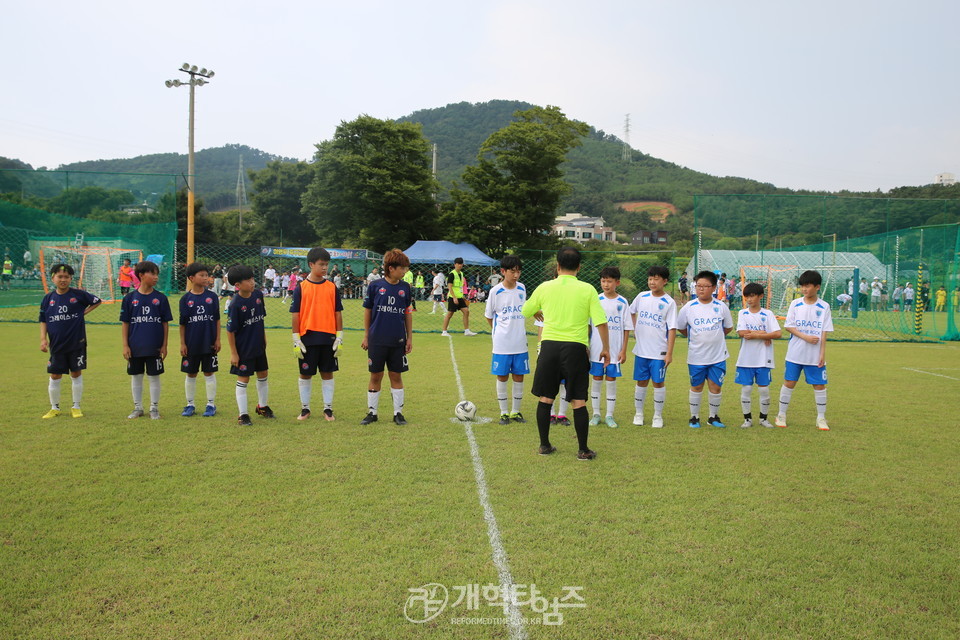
597	369
649	369
505	364
700	372
747	375
811	372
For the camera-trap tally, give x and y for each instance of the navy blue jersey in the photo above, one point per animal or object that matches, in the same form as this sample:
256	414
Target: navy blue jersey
66	330
389	305
245	321
199	314
145	313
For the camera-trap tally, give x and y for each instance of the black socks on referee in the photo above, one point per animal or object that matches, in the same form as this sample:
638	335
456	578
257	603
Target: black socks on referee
581	422
543	422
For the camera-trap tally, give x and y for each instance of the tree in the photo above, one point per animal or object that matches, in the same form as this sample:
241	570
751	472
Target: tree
277	208
514	189
373	186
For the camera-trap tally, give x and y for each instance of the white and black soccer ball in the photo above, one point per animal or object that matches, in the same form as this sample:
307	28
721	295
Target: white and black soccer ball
465	411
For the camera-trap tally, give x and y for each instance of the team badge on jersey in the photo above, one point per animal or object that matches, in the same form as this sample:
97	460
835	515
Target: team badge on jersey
382	290
819	313
401	293
155	301
73	300
243	308
208	300
259	301
189	303
135	301
51	303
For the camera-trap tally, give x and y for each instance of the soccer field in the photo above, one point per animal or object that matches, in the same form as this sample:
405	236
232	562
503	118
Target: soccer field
198	528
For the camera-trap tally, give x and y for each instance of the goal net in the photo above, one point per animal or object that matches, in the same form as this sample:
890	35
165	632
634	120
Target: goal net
780	284
96	269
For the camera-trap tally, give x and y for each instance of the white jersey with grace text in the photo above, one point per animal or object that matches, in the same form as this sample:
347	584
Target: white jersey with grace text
509	328
618	321
812	320
704	324
655	316
756	353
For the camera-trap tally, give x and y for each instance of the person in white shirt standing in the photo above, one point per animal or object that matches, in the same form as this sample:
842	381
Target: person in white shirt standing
509	332
757	328
808	321
269	275
619	326
437	290
705	322
655	327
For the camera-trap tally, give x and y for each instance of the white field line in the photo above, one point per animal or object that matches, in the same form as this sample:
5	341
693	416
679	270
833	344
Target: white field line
517	630
930	373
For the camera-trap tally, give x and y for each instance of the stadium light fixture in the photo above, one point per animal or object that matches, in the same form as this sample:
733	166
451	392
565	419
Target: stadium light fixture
198	78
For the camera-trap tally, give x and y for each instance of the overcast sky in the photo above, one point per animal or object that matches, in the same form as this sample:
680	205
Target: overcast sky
844	94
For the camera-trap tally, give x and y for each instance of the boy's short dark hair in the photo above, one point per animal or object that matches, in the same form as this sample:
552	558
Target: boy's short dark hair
396	258
318	254
146	267
568	258
811	277
610	272
659	270
510	262
196	267
239	273
752	289
458	261
707	275
60	266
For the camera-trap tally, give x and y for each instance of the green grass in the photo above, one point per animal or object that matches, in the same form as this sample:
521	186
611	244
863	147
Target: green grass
196	528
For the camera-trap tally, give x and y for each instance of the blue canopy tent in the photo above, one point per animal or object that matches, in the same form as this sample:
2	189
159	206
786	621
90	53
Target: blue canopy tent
443	252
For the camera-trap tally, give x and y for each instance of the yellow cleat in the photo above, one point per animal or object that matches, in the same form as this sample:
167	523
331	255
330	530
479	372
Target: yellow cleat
53	413
76	413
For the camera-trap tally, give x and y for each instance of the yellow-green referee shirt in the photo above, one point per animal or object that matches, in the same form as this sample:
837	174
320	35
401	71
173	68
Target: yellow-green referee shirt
567	305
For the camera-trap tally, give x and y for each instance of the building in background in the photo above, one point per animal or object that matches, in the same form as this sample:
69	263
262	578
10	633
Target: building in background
946	179
576	226
646	236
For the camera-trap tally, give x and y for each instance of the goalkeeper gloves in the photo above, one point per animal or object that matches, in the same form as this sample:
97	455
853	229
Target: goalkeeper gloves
299	349
337	343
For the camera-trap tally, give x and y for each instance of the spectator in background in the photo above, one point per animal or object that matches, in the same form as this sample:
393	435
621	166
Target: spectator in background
27	259
269	275
907	297
217	275
684	288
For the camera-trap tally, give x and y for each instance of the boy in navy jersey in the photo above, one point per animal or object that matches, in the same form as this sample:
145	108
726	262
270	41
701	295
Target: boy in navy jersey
199	338
63	332
248	341
145	315
388	333
317	323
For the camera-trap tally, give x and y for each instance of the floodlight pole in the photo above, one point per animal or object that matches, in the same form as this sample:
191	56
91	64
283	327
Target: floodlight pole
194	82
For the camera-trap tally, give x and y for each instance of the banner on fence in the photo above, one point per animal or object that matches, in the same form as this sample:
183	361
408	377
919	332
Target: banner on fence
301	252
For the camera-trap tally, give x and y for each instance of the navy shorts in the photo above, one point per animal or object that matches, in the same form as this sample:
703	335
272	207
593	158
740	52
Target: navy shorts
207	362
456	304
567	362
393	358
152	365
67	361
246	368
319	357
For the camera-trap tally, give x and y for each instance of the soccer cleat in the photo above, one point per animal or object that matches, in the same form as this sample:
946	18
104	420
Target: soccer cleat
371	418
445	334
518	417
136	413
694	422
781	421
553	420
595	420
304	414
822	424
714	421
467	332
657	422
638	419
154	413
76	413
399	419
188	411
611	422
328	415
765	423
210	411
245	421
564	420
504	418
266	412
586	454
747	423
53	413
546	450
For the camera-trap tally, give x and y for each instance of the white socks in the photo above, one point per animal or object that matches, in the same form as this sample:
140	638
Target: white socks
263	392
659	400
502	398
305	387
373	401
764	401
820	395
611	396
242	398
154	383
327	387
397	400
211	390
53	390
639	397
595	395
190	388
785	395
517	396
136	389
77	389
562	409
745	403
695	397
714	400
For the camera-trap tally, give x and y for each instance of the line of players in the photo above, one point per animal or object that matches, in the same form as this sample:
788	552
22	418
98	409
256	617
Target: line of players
317	337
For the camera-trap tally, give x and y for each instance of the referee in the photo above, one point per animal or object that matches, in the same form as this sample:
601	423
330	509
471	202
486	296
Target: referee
566	307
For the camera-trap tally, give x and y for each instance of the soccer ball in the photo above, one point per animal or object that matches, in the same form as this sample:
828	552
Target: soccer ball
465	411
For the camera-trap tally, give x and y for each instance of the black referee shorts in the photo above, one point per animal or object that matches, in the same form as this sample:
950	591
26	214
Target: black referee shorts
569	361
